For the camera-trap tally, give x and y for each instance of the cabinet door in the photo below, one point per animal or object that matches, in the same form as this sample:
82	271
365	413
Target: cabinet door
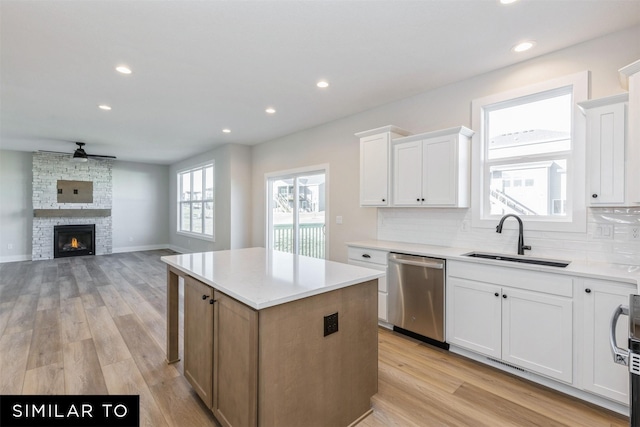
407	174
439	171
198	337
600	374
473	316
606	138
374	170
537	332
235	363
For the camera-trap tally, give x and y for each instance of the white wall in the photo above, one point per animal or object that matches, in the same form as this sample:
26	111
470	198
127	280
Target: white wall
231	207
16	212
449	106
139	208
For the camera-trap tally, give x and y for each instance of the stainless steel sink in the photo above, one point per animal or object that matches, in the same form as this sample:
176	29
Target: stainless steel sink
521	259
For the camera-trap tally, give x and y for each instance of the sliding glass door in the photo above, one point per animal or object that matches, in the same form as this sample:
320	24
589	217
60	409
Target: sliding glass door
297	213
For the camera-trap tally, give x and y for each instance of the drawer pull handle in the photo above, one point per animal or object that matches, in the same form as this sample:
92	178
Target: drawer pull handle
366	256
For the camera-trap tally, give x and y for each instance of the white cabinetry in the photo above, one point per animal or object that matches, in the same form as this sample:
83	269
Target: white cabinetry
606	133
600	374
432	169
631	75
374	164
521	317
376	259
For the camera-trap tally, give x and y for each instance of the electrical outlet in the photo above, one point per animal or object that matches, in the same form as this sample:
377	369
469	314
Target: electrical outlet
330	324
603	231
634	232
10	246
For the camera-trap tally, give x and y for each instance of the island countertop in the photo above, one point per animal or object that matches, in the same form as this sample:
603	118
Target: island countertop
262	278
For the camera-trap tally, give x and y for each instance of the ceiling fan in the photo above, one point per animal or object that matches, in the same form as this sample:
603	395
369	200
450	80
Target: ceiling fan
79	155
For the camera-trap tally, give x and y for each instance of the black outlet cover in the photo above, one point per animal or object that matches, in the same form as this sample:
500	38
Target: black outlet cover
330	324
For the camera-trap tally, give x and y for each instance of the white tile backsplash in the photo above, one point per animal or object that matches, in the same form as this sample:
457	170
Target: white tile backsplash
445	227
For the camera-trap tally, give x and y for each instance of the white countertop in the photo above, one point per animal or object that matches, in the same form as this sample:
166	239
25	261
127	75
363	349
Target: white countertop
617	272
262	278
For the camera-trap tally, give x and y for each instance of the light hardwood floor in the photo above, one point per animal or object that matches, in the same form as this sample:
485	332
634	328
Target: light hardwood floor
96	325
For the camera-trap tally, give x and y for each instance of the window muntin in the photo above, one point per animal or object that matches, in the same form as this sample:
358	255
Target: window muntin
195	201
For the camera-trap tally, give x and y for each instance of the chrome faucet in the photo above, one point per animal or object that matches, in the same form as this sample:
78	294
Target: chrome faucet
521	245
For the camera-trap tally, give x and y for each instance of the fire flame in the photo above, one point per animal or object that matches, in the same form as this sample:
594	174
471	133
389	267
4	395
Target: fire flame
74	243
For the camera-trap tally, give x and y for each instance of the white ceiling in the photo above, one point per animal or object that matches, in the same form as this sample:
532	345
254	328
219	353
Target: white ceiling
201	66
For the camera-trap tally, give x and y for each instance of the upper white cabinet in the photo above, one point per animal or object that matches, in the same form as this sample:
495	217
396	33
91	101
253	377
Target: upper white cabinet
432	169
606	139
631	76
374	164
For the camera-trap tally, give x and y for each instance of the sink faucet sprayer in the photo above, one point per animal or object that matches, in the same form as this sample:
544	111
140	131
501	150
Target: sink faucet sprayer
521	245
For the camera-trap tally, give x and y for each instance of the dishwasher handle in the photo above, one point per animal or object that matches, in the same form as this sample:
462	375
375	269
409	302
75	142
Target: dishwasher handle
426	263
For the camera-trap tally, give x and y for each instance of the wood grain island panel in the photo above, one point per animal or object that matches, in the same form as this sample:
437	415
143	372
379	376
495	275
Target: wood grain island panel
274	366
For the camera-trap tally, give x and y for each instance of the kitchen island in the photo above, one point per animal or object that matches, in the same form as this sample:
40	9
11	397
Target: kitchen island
275	339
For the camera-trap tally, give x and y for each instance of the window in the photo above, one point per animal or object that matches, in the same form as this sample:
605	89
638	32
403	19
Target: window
195	201
296	217
528	155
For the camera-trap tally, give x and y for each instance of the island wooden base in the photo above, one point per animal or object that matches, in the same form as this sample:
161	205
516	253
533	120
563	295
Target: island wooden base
307	379
275	367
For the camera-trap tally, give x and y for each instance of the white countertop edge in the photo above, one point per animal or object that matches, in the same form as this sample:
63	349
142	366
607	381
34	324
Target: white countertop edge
593	270
259	305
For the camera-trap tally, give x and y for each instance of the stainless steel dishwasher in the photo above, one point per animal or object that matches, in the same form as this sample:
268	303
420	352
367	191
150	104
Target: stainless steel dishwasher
416	296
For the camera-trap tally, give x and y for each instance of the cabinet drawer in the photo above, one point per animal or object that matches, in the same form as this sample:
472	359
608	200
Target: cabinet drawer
368	255
555	284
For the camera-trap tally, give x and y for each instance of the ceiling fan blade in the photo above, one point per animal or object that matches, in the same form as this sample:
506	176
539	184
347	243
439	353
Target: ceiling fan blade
97	156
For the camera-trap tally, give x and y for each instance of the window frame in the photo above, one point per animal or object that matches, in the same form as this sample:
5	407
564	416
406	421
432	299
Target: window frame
191	170
294	173
575	220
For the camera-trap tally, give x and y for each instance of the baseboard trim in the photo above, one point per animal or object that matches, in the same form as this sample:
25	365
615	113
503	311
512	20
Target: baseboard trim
14	258
139	248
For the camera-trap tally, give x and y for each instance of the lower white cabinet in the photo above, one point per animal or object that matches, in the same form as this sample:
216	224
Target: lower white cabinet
600	374
377	260
529	329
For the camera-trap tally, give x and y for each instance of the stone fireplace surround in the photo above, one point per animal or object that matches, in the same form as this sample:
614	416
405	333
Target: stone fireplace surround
48	168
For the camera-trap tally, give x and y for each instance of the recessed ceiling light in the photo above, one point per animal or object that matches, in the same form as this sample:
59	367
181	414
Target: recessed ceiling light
521	47
322	84
508	1
270	110
104	107
226	130
123	69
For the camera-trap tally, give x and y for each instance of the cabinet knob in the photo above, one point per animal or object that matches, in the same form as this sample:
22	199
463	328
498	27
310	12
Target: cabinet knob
418	199
204	297
588	290
504	296
384	200
594	195
211	301
423	200
497	294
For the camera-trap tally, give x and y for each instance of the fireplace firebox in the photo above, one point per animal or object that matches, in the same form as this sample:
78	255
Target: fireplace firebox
74	240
